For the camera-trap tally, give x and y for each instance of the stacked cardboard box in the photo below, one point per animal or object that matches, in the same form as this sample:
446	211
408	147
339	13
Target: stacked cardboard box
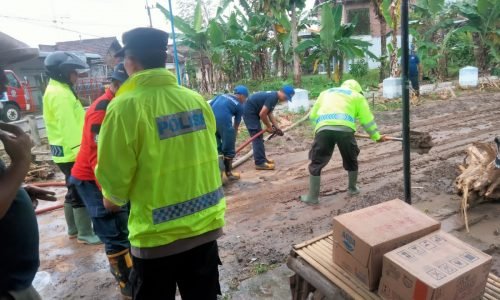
362	237
437	266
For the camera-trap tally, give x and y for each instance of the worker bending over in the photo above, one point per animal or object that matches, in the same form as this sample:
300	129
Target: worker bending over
63	115
225	108
110	227
334	116
157	151
260	107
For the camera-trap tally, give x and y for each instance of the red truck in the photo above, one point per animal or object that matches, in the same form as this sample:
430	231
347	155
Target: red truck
17	99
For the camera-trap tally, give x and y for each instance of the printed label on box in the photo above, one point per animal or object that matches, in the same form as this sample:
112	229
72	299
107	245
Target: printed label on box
427	244
437	239
436	274
417	250
349	241
469	257
457	262
448	269
407	255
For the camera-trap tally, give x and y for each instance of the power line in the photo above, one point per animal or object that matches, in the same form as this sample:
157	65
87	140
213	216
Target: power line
41	22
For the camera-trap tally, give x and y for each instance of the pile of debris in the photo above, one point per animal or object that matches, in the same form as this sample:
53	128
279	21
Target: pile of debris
40	172
479	180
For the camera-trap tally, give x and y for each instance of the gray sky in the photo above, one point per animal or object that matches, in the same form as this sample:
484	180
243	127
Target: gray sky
48	21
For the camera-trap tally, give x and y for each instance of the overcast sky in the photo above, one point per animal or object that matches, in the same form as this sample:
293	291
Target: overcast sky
48	21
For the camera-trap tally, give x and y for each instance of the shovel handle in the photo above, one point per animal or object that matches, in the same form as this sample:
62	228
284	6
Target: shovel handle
389	138
250	140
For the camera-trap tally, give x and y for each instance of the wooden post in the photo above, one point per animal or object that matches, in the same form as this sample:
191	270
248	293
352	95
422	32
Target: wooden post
35	135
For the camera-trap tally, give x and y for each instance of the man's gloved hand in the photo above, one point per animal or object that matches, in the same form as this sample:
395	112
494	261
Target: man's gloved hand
278	131
37	193
270	129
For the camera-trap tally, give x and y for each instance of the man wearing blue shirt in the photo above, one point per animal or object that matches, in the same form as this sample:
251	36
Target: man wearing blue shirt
415	70
260	107
225	108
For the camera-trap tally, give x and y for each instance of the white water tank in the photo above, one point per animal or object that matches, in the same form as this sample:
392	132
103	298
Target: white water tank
391	88
468	77
300	101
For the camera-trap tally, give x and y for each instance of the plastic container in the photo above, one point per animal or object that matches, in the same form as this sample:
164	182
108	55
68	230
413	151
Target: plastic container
468	77
300	101
392	88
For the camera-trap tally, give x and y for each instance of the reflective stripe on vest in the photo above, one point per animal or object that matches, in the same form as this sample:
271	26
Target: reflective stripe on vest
342	117
189	207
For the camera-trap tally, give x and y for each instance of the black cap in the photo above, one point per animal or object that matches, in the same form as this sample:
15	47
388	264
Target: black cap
119	73
143	39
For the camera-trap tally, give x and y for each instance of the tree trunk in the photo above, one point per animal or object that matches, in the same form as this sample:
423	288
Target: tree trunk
341	67
329	67
204	84
297	74
480	52
383	49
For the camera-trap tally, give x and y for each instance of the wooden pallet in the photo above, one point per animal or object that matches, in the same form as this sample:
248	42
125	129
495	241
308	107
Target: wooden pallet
316	274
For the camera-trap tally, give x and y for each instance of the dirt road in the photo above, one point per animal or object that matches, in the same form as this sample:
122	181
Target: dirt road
264	218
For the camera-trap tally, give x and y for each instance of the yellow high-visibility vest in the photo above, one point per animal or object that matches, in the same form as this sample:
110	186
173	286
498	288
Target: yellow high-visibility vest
156	150
63	115
342	107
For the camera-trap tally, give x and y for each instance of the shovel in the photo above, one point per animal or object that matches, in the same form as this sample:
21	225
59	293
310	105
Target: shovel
421	142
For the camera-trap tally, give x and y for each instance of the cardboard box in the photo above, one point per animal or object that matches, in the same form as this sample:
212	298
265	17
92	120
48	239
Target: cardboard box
362	237
437	266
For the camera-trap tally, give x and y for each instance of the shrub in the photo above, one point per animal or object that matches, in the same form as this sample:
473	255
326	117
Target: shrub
359	68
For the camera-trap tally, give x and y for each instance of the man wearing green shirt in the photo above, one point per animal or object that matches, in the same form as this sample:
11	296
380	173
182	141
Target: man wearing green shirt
334	116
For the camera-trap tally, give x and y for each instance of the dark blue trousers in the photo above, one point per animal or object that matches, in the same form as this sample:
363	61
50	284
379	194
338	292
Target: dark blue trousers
253	125
226	140
111	228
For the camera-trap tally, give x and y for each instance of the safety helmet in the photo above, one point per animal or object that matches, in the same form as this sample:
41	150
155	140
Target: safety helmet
352	85
60	64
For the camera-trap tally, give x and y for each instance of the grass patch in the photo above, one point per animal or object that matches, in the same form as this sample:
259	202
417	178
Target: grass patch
261	268
315	84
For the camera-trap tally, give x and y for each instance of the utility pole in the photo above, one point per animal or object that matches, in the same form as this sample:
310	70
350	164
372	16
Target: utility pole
176	58
406	101
148	8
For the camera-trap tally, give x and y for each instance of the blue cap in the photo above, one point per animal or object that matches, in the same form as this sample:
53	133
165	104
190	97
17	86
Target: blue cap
241	90
119	73
289	92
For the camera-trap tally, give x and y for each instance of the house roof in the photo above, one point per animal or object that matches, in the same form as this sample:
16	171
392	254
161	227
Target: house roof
99	46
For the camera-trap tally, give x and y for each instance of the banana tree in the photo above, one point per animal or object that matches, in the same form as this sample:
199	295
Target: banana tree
334	41
195	38
378	8
483	21
391	10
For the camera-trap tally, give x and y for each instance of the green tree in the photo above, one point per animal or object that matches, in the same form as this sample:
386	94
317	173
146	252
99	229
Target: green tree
483	21
334	41
195	37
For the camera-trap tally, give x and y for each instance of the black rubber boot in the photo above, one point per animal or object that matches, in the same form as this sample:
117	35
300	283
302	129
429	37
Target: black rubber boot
228	165
120	265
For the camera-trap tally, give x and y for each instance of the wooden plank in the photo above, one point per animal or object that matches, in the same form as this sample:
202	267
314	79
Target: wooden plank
309	274
309	242
338	276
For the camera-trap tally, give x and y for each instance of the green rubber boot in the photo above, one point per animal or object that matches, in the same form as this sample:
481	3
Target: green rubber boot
85	232
313	196
353	179
70	221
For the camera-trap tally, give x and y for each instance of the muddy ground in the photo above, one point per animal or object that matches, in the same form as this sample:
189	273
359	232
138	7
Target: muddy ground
264	218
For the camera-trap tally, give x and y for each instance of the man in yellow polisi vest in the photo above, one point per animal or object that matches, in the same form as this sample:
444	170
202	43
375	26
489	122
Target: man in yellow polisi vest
63	115
156	151
334	118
